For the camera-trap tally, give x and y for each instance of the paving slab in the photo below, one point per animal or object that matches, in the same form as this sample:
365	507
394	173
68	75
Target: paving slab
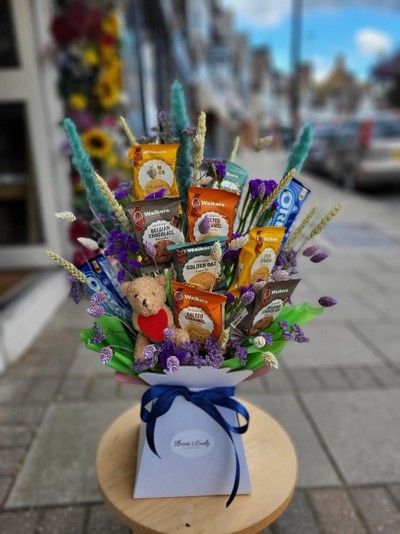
60	466
378	509
330	346
384	336
361	430
314	467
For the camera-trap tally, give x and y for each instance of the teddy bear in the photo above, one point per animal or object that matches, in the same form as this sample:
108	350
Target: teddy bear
150	314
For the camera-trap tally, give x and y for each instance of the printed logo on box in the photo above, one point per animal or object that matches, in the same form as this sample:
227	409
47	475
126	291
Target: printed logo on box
192	443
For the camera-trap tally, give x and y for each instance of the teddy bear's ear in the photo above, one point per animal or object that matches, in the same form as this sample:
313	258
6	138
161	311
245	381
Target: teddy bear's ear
125	287
161	280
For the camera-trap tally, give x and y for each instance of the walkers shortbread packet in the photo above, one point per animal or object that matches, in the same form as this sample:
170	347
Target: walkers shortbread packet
153	170
156	221
258	256
194	265
200	313
218	205
262	312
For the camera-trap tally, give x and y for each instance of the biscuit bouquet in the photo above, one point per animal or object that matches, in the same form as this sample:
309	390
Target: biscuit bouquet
195	264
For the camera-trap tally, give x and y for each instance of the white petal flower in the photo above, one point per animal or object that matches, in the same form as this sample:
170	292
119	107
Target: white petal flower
66	216
91	244
270	360
238	243
205	180
259	342
258	286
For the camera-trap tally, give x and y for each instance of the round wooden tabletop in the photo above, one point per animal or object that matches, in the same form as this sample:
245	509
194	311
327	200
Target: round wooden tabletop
272	464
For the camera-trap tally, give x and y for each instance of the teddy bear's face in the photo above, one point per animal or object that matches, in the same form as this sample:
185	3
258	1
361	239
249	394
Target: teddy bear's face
146	295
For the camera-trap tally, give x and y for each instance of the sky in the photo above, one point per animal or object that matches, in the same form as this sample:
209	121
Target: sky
362	30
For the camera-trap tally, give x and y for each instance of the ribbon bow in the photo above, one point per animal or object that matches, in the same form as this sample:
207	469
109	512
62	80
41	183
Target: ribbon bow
206	400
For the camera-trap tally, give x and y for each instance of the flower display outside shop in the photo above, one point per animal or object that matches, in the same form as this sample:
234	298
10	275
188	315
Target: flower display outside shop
181	276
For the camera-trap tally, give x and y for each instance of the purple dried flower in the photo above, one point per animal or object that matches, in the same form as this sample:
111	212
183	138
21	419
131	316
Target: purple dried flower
270	185
280	275
205	225
269	338
261	190
121	276
150	249
106	355
247	297
253	188
149	351
98	298
231	255
327	302
310	251
220	169
98	334
317	258
238	350
230	298
120	195
157	194
173	364
96	310
169	333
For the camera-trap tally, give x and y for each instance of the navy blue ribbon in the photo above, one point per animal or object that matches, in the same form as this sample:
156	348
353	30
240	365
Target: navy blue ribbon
206	400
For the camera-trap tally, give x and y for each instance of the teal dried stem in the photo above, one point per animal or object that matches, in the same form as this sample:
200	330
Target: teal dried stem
180	121
300	149
82	163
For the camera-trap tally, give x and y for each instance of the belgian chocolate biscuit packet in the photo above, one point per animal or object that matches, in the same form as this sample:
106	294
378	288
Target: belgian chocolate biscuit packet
201	313
153	170
265	308
194	265
218	205
155	221
258	256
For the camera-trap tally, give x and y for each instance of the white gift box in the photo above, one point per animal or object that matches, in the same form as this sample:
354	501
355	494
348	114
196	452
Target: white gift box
195	454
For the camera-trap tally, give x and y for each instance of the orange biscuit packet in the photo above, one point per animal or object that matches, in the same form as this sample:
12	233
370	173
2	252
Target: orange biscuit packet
201	313
258	256
153	170
219	206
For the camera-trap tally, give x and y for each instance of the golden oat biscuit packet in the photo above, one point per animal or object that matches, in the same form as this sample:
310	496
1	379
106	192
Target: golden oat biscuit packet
194	265
200	313
262	312
217	205
153	170
156	222
258	256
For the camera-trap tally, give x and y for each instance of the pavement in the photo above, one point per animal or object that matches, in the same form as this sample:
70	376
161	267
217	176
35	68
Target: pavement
338	396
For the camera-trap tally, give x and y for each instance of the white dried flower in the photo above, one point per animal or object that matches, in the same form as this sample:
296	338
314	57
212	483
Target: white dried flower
258	286
91	244
264	142
67	216
270	360
238	243
259	342
216	252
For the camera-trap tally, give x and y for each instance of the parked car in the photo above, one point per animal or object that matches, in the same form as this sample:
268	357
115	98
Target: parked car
318	155
366	152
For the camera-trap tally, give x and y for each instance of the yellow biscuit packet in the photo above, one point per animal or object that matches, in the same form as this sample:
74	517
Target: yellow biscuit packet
200	313
153	170
258	256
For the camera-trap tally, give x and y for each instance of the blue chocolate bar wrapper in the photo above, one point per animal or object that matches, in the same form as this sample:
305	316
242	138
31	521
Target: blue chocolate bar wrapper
290	202
102	277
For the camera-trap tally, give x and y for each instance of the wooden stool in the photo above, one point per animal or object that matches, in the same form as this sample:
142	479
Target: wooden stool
272	464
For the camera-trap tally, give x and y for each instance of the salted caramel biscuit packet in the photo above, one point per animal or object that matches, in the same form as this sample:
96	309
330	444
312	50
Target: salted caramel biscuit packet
155	221
153	170
265	308
200	313
258	256
235	178
194	265
217	205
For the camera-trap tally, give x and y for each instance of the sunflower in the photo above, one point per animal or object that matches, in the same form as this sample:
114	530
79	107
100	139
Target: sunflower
107	90
110	24
96	142
90	57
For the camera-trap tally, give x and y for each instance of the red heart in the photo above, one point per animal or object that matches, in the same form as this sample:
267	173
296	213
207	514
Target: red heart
154	325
